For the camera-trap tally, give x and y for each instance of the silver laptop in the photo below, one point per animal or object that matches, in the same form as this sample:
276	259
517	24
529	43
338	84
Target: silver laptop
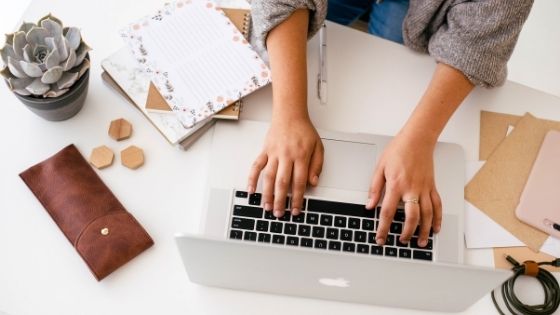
329	251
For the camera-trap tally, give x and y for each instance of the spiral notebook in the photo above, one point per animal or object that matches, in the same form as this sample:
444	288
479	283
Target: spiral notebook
197	59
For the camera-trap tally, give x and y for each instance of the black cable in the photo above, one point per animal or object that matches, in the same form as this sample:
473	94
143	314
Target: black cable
545	278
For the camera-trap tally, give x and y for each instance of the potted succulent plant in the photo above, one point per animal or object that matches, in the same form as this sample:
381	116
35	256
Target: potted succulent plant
47	65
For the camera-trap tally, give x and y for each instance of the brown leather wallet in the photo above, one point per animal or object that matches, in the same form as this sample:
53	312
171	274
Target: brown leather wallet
86	211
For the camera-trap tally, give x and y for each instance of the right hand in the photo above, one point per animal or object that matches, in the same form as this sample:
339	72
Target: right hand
292	156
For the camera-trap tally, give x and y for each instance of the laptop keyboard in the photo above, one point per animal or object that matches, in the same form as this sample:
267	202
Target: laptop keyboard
322	225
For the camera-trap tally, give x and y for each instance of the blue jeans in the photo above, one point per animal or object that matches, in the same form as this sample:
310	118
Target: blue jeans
385	20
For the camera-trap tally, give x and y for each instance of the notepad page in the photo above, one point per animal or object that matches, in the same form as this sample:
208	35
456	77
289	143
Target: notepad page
197	58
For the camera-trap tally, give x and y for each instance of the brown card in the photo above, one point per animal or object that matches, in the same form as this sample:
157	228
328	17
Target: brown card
520	254
493	129
497	187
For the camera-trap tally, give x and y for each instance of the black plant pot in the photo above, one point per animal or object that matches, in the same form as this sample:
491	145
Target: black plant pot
62	107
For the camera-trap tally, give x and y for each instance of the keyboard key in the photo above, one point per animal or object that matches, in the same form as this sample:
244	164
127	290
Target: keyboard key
417	232
390	240
332	233
321	244
326	219
340	221
404	253
306	242
236	234
250	236
304	230
399	244
399	216
368	225
246	211
304	204
349	247
377	212
276	227
298	218
312	218
354	223
363	248
287	202
278	239
290	228
262	226
269	215
396	228
390	251
341	208
422	255
241	194
346	235
255	199
318	231
360	236
244	224
414	244
334	245
286	217
371	238
377	250
264	237
292	241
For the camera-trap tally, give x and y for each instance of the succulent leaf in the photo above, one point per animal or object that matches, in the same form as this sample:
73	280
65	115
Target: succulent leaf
40	53
23	92
50	17
7	51
52	75
15	68
19	43
69	64
82	68
61	46
19	84
53	59
28	53
31	69
37	35
52	27
10	39
67	80
26	27
55	92
5	72
51	45
74	37
37	87
81	52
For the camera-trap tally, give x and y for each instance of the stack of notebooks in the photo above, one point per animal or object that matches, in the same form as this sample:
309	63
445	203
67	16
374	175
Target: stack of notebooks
187	65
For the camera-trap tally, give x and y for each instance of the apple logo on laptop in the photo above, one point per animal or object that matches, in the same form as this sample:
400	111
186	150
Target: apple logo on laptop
338	282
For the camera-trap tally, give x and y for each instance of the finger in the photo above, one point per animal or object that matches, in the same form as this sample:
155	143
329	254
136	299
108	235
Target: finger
268	184
388	209
376	188
299	181
412	217
256	168
316	164
426	217
438	210
281	186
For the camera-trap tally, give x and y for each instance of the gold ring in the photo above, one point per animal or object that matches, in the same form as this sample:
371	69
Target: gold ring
412	200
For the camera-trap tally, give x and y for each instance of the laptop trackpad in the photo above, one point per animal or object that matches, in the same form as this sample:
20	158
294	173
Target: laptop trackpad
348	165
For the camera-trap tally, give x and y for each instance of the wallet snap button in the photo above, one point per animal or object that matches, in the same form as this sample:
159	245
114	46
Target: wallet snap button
104	231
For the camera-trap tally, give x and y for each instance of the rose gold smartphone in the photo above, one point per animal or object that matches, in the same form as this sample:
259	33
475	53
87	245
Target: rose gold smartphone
539	205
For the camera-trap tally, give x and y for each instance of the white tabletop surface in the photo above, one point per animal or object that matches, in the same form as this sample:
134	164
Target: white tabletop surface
373	86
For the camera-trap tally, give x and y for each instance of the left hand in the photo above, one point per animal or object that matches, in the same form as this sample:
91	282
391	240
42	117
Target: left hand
406	171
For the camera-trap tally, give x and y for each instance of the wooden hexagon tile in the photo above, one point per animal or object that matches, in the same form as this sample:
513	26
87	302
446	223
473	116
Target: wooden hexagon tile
132	157
101	157
120	129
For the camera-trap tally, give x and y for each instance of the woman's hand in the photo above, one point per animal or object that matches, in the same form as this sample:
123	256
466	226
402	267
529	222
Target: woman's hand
292	156
406	172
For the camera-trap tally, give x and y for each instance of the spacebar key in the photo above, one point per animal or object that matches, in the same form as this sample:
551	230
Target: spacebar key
333	207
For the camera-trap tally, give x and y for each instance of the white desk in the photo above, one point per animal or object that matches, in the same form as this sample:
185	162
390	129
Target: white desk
373	85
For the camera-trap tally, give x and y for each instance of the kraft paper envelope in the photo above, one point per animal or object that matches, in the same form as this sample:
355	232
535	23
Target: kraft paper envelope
493	129
497	187
520	254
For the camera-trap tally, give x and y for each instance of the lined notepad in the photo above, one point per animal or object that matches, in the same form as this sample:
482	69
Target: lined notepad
197	59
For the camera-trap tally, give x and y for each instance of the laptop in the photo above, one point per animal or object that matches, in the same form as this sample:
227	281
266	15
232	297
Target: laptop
329	251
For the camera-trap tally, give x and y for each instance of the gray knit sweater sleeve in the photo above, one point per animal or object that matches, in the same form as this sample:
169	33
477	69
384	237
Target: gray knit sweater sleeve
476	37
266	14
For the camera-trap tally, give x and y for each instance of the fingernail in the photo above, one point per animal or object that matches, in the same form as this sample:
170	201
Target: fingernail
278	213
315	180
404	241
422	243
267	206
369	203
380	240
250	189
295	211
437	229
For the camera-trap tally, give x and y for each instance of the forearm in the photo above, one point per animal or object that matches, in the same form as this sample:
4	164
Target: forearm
445	93
286	45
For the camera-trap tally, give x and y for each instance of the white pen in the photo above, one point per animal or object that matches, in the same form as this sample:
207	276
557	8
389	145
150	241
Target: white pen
322	76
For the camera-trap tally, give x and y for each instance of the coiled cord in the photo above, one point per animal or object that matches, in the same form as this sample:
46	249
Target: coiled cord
547	281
